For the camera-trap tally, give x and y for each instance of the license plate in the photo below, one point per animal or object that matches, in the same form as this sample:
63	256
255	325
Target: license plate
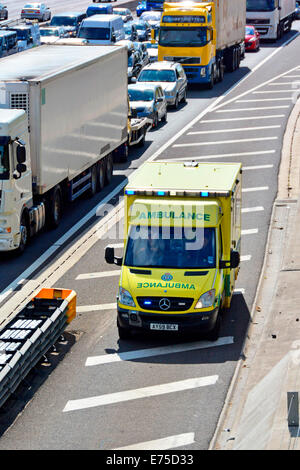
164	326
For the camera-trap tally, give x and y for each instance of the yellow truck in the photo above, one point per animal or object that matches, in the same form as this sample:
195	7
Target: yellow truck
182	247
205	37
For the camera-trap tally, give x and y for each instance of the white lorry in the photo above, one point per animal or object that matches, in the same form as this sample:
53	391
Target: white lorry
63	116
271	18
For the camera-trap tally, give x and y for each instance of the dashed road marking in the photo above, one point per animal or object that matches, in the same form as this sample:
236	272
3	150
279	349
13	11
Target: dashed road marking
144	392
159	351
165	443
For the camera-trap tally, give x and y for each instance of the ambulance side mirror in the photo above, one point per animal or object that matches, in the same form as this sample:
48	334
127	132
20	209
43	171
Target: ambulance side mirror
110	257
234	259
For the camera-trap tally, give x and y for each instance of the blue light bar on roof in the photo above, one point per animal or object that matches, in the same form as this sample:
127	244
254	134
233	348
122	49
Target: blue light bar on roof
129	192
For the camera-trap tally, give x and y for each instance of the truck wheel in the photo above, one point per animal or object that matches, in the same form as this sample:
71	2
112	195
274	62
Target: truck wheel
93	189
55	208
124	153
109	169
24	231
100	176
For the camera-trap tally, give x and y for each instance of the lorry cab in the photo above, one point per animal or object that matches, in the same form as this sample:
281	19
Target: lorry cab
102	9
182	247
9	42
102	29
186	34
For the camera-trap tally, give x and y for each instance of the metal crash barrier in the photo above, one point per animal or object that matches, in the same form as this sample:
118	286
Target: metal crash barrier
32	332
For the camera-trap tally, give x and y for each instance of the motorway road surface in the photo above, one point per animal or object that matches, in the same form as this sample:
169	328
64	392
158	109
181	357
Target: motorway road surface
151	392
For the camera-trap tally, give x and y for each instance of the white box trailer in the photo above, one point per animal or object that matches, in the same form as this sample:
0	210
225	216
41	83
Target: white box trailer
230	22
75	100
271	18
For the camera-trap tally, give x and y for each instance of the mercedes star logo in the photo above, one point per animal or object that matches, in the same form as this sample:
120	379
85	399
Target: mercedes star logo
164	304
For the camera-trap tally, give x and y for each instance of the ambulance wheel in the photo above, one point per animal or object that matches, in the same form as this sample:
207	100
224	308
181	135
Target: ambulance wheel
124	333
214	334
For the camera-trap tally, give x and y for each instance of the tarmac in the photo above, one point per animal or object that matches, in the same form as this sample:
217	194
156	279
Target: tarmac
261	411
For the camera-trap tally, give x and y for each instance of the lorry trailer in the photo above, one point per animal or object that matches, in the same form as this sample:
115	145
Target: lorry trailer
205	37
182	226
63	116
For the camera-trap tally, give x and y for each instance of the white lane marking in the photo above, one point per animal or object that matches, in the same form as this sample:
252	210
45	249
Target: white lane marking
239	291
248	118
144	392
117	245
283	83
257	167
98	275
258	188
251	109
165	443
95	308
159	351
273	91
221	142
239	129
224	155
250	231
262	84
245	258
252	209
258	100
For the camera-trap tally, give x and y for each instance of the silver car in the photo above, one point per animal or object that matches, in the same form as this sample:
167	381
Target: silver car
171	77
37	11
125	14
148	101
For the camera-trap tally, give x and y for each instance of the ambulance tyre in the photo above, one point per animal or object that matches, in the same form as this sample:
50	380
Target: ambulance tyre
214	334
124	333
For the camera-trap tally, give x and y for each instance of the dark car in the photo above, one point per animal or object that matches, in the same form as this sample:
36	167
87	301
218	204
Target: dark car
143	29
130	31
70	20
134	65
3	12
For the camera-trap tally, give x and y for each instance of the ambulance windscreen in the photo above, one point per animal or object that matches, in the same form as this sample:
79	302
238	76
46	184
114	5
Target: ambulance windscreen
171	247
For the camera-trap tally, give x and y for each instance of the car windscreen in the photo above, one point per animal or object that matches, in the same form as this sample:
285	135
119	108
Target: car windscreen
157	76
182	248
49	32
183	36
63	21
94	33
261	5
140	95
249	30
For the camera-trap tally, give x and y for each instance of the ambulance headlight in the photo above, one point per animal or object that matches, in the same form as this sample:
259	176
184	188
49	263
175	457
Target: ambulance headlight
206	300
125	298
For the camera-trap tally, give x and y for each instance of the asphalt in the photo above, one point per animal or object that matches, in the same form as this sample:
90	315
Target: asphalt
261	411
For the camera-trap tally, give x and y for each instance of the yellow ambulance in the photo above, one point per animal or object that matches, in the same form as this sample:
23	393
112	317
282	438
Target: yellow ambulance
182	247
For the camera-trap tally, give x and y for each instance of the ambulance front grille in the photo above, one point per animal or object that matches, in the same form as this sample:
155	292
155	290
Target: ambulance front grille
176	304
